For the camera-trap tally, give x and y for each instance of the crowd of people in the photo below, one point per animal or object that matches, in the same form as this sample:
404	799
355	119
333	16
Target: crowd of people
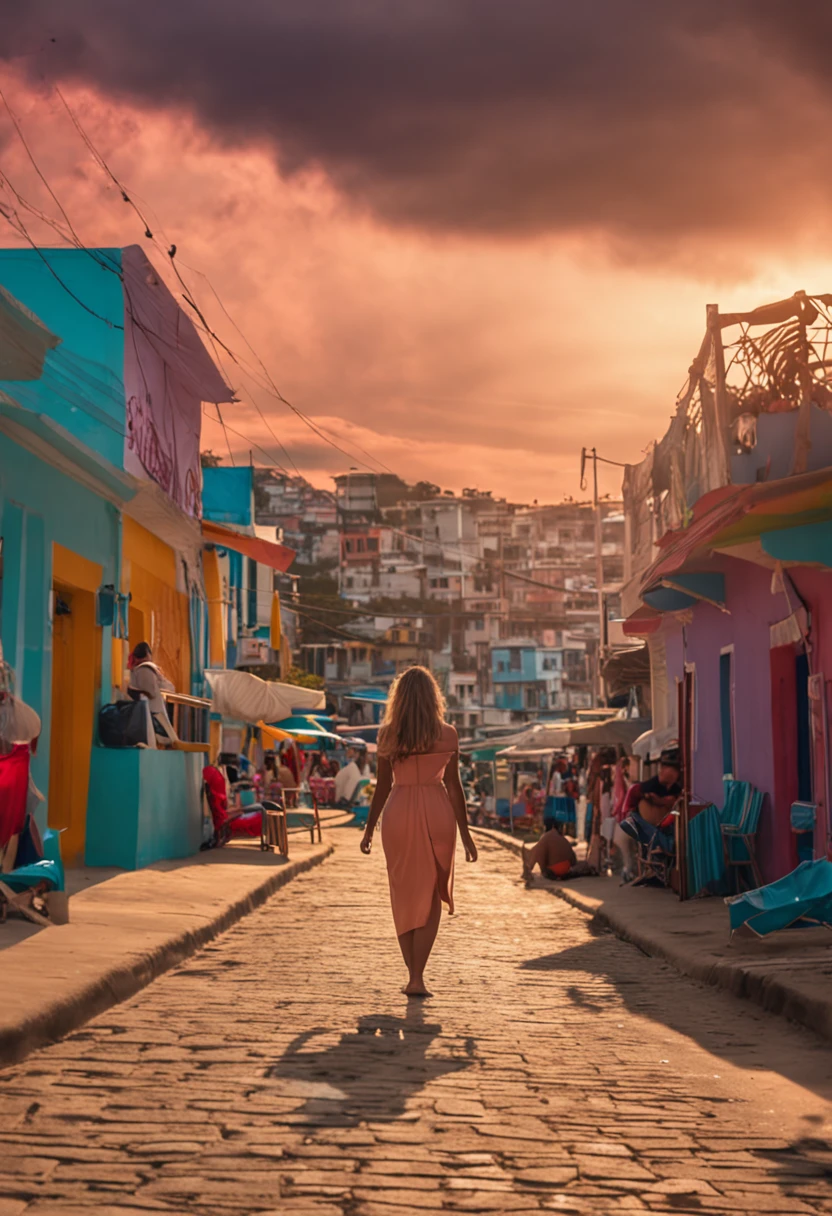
600	798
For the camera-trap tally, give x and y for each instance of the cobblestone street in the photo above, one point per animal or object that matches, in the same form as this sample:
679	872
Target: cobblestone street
556	1069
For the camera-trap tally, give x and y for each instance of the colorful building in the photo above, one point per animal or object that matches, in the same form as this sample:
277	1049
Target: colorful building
103	380
729	565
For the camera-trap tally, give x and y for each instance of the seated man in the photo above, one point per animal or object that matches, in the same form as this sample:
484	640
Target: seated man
346	781
553	853
647	817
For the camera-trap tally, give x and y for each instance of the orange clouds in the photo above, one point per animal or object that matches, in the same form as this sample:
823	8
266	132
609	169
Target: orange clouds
463	360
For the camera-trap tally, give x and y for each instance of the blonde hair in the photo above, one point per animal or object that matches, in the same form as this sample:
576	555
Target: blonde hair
414	716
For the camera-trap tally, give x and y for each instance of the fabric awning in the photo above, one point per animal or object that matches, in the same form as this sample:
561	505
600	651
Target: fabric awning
734	515
652	743
377	696
247	698
683	590
612	732
266	552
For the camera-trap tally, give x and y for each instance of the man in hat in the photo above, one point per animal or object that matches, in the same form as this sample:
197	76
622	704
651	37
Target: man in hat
648	807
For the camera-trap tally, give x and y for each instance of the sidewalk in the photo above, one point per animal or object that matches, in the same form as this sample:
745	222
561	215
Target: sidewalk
126	928
789	973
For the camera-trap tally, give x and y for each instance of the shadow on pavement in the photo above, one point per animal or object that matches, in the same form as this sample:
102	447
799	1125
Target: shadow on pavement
602	974
370	1073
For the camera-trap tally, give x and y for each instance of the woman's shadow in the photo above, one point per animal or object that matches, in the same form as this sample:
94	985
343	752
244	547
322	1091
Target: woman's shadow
371	1072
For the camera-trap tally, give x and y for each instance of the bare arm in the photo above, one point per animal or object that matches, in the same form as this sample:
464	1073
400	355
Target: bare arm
384	783
457	796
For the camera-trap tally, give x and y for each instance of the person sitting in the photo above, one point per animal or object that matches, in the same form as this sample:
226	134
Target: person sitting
648	806
147	683
553	853
288	785
346	781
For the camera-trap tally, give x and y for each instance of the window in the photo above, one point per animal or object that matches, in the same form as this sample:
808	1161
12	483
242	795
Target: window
443	583
726	710
348	546
372	544
501	665
515	662
479	623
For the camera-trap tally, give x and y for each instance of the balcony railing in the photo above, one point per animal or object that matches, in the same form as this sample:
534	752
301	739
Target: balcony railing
189	715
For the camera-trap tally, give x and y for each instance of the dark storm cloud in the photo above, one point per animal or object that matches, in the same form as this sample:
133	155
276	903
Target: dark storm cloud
634	118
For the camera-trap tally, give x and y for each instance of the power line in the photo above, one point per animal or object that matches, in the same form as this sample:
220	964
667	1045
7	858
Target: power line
188	297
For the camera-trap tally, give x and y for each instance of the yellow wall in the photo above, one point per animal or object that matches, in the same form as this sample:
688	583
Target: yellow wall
76	674
158	611
216	608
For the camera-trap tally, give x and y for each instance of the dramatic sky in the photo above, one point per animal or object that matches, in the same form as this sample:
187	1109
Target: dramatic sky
466	237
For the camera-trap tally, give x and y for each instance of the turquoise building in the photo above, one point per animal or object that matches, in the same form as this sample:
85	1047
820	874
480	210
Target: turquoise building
102	379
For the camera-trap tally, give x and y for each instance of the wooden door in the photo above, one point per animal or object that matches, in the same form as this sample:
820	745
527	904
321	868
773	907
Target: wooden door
75	667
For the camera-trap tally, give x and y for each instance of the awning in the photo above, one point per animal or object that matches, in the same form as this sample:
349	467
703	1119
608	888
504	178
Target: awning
626	669
642	623
367	734
247	698
652	743
612	732
807	543
377	696
675	592
266	552
734	515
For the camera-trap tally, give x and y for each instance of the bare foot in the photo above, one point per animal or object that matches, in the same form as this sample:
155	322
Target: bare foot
416	988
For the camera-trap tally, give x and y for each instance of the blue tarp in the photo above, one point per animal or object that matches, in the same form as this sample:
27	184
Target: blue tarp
803	897
228	495
677	591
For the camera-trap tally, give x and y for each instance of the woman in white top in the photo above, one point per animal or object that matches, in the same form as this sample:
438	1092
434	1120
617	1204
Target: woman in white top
146	684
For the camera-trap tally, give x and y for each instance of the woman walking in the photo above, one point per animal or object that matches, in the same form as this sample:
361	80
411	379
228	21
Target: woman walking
419	790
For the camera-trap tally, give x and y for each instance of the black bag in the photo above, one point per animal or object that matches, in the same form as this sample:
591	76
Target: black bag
122	724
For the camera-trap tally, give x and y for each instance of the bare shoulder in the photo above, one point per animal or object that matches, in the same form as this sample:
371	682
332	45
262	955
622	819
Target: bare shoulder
450	736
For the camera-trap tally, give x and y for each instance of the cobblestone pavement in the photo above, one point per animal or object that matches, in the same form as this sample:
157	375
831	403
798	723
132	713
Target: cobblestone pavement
556	1069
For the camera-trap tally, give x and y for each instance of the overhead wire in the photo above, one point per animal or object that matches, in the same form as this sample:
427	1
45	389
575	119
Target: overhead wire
188	297
71	237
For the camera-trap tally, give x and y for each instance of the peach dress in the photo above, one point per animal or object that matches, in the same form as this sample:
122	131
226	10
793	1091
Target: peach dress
418	833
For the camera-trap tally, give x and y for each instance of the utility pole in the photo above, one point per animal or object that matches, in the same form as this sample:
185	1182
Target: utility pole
599	569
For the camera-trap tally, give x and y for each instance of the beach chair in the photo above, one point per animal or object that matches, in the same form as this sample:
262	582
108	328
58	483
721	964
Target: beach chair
36	891
802	898
304	817
739	820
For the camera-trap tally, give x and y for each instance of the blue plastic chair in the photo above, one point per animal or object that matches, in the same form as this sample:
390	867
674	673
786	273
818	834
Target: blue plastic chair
360	816
803	897
18	886
739	820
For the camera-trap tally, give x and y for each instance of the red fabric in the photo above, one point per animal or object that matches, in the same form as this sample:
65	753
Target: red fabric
14	788
249	824
217	797
631	802
290	759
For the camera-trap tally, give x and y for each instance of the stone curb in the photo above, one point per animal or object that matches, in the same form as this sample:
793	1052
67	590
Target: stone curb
70	1010
767	990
